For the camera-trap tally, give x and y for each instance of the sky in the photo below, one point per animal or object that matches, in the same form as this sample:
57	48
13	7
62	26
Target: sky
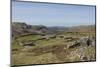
50	14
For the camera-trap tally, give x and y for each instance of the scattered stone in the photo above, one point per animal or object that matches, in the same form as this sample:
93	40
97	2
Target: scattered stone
76	44
26	43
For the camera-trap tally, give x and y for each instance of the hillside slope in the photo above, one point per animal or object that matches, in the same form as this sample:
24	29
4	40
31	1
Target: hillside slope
23	28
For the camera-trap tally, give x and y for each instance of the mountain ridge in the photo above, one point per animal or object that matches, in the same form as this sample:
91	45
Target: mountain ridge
23	28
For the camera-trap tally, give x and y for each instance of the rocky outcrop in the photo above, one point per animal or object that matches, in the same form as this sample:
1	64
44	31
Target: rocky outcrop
85	41
21	29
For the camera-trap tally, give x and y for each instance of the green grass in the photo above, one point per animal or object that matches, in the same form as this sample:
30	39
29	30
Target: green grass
49	42
15	45
29	37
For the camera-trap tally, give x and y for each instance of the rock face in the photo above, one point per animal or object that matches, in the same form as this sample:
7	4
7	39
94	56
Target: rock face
86	41
24	29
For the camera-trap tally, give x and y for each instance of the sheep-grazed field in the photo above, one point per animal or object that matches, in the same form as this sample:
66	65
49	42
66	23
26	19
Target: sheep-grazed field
53	48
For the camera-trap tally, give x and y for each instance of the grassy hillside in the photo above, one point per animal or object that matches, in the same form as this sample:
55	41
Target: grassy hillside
47	46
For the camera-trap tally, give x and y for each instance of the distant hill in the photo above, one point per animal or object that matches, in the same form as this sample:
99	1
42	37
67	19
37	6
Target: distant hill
82	28
24	29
